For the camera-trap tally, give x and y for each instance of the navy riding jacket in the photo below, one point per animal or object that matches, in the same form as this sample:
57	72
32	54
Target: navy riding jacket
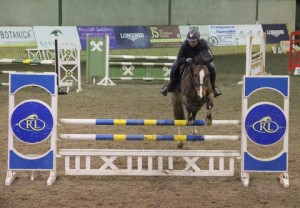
200	50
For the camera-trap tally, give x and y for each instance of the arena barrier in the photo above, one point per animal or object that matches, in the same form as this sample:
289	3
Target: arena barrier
34	121
100	64
255	61
294	53
68	70
68	62
40	54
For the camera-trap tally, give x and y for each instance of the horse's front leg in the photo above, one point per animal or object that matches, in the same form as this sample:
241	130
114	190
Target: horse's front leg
208	120
209	106
189	118
188	106
194	118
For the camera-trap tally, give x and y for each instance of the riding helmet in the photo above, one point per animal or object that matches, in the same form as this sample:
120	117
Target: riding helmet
193	35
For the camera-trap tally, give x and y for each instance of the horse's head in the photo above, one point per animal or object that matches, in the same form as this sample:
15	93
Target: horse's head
201	80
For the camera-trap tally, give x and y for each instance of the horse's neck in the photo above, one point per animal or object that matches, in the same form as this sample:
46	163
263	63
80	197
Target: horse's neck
186	79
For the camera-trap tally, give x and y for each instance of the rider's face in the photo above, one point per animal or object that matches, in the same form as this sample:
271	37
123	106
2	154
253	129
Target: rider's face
193	43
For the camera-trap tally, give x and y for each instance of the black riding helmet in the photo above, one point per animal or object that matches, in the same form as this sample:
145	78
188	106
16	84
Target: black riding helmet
193	35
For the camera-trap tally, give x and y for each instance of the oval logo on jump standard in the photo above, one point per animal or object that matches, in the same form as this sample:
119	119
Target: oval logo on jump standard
265	123
32	121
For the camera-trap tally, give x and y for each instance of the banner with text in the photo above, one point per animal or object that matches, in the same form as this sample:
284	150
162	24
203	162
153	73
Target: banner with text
132	37
96	31
275	33
164	36
17	37
243	31
46	35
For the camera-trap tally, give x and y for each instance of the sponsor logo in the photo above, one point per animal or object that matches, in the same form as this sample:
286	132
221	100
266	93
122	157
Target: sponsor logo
56	33
96	46
275	33
15	34
32	123
265	125
132	36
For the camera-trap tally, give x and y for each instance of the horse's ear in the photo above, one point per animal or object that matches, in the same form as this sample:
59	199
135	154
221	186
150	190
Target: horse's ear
188	63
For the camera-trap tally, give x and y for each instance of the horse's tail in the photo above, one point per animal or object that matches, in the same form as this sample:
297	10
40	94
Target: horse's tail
177	106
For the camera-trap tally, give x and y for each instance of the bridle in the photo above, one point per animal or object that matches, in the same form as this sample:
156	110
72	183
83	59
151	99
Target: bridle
193	80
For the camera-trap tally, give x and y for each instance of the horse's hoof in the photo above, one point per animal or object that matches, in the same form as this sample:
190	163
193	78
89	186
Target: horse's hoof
208	122
179	145
189	122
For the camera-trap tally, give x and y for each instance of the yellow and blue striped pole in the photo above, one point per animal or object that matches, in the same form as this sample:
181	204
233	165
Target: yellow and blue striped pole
26	61
144	122
142	137
130	122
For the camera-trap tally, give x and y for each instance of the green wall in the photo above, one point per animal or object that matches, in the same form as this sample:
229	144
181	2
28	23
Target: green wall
146	12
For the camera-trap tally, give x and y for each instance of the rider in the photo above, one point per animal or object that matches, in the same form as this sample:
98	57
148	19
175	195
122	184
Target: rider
192	47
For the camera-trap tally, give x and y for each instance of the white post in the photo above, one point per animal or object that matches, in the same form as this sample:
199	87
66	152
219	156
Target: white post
106	81
249	55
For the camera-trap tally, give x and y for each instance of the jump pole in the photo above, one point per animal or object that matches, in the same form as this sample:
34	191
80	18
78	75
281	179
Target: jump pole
264	123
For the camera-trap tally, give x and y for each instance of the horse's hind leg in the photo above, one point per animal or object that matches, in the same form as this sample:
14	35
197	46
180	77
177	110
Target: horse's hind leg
190	120
179	143
178	112
195	130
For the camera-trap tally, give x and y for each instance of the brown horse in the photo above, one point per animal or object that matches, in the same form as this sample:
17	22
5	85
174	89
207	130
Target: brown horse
196	90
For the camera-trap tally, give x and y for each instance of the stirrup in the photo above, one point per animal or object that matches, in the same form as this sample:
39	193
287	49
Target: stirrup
164	90
217	91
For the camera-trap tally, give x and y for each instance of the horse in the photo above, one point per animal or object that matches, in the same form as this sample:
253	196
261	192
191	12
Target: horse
196	90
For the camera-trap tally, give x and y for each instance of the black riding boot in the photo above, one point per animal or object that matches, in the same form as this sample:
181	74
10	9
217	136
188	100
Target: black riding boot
212	77
172	84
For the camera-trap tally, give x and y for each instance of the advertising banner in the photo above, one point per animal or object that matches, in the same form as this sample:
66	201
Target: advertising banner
223	35
275	33
96	31
243	31
45	35
17	37
164	36
132	37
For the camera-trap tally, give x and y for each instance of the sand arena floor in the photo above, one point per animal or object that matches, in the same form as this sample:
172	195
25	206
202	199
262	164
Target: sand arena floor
137	99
